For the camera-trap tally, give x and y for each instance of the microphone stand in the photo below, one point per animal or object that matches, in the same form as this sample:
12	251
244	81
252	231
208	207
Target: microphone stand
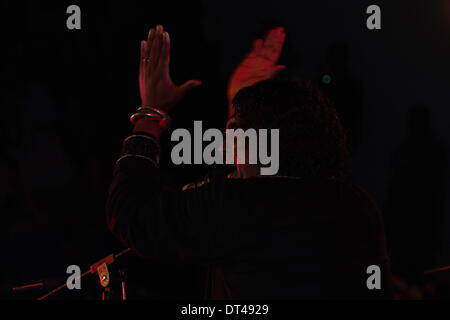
101	269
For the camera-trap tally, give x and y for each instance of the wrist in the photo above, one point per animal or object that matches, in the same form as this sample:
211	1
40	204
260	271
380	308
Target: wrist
160	106
150	120
151	127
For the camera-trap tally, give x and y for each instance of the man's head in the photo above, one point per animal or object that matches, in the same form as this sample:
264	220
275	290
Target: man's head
312	140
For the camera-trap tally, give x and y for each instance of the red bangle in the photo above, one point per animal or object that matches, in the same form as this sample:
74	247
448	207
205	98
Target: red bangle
157	111
140	115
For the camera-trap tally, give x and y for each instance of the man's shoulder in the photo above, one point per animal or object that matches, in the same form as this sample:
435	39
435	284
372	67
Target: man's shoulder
334	192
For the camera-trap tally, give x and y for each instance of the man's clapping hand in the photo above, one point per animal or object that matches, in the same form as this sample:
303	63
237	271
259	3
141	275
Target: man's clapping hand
260	64
155	83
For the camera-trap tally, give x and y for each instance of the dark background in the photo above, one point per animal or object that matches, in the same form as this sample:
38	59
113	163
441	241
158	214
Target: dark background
66	97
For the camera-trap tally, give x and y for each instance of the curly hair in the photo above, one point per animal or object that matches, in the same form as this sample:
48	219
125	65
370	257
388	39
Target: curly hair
313	142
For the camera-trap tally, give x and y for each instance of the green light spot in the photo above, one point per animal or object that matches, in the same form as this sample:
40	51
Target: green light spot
326	79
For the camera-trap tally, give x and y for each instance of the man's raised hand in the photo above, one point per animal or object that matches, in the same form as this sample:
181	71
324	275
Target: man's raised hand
260	64
155	83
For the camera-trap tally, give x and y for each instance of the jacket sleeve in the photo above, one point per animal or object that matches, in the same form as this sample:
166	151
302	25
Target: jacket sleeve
157	222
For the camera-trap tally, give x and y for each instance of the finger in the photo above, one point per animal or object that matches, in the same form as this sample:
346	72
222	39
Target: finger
268	39
150	39
257	45
274	41
156	46
273	45
143	59
143	51
143	64
277	70
271	36
164	60
143	48
188	85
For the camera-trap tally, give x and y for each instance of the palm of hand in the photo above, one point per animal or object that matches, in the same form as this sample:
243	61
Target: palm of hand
156	86
260	64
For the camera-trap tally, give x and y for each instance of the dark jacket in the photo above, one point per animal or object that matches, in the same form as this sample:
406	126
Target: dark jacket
263	238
